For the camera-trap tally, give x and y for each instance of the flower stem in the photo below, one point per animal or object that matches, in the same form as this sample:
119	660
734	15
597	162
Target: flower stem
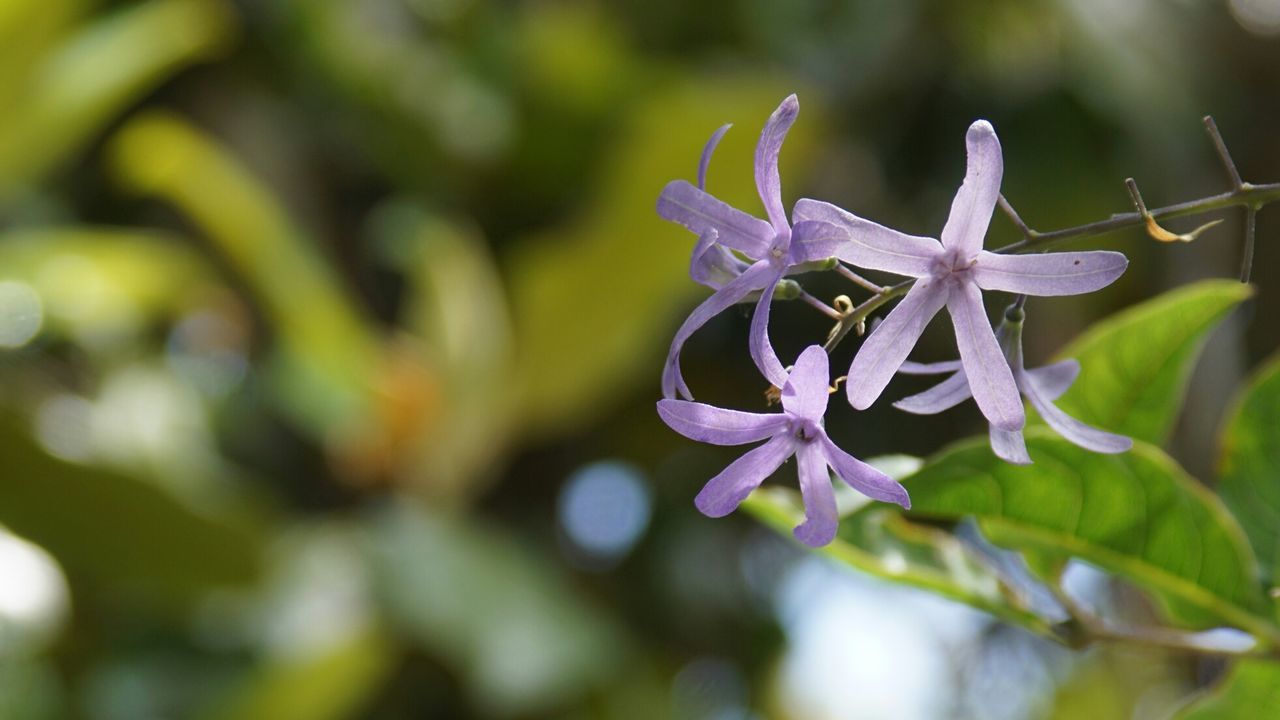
822	307
858	279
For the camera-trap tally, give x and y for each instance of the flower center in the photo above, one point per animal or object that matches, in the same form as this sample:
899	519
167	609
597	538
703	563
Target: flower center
781	246
951	265
804	429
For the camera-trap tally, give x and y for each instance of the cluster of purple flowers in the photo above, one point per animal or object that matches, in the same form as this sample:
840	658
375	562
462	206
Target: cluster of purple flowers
738	254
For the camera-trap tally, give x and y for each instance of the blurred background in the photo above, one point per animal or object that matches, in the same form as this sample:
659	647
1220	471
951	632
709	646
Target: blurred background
330	332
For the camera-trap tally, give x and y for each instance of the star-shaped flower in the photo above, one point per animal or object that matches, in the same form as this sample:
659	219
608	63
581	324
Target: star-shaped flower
797	430
1041	386
775	247
953	273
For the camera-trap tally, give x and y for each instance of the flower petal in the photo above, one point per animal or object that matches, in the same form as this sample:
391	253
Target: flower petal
990	378
935	368
758	340
891	342
862	477
717	426
1009	445
821	518
870	245
1086	436
812	240
943	396
767	182
685	204
975	201
724	492
710	148
807	387
1067	273
711	263
753	278
1054	380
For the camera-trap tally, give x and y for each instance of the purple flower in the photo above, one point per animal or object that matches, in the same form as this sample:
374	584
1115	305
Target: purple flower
1041	386
797	430
775	248
953	274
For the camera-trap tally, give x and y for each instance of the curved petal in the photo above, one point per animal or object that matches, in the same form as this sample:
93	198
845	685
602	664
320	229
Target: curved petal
1054	380
862	477
934	368
717	426
768	183
1086	436
1047	274
724	492
686	205
814	240
807	388
990	378
889	344
758	340
943	396
975	201
873	246
707	150
711	264
1009	445
821	518
753	278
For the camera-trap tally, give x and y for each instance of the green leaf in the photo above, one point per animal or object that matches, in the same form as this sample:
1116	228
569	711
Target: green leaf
1250	466
330	685
96	73
1135	364
1251	689
117	534
1137	514
877	540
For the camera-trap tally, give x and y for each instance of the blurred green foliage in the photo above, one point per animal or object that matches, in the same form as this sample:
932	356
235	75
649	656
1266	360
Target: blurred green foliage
327	299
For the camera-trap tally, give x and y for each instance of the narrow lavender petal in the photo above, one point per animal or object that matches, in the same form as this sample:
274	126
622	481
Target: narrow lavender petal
724	492
1054	380
717	426
1010	446
807	388
990	378
975	201
871	245
821	519
758	339
862	477
753	278
711	264
768	183
1086	436
943	396
891	342
1066	273
935	368
706	154
686	205
814	240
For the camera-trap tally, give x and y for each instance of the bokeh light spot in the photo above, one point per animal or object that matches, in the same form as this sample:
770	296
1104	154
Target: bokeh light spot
1261	17
603	510
21	314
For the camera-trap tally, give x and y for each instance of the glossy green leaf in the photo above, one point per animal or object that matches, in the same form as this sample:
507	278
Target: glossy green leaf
1250	689
1135	364
1137	514
1250	467
596	302
877	540
97	72
118	534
